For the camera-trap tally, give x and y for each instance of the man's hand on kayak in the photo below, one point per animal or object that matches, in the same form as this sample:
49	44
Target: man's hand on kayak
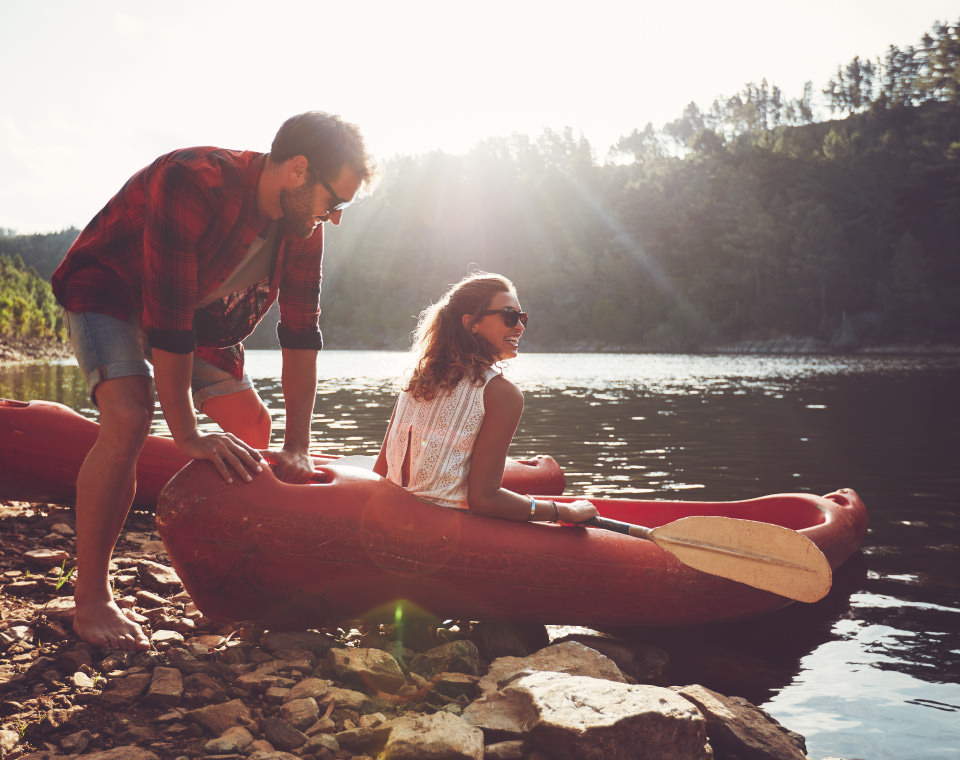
231	456
290	466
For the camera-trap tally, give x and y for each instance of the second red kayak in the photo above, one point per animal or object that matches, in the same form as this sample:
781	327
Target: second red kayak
43	444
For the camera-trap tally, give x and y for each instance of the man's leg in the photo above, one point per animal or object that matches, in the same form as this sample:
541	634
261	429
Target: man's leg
231	402
105	489
110	354
242	413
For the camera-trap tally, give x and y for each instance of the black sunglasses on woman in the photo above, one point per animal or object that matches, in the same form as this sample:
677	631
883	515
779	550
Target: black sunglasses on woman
510	316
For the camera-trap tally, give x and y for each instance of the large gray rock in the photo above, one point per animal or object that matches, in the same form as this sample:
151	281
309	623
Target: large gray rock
742	730
569	657
643	663
502	715
578	717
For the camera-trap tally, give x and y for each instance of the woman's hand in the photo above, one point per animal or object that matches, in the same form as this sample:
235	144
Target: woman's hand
576	511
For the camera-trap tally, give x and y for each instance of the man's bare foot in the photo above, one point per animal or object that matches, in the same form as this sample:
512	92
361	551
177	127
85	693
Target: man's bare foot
104	625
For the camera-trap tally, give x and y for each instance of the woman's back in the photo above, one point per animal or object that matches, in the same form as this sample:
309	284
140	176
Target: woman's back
430	442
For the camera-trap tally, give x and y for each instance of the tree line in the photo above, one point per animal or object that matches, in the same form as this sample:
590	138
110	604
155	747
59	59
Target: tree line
27	306
909	76
746	221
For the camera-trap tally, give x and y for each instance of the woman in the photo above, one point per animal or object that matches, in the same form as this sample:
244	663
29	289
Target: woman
453	423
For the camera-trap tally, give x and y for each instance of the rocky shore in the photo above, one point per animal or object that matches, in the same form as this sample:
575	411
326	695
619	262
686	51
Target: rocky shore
14	350
424	690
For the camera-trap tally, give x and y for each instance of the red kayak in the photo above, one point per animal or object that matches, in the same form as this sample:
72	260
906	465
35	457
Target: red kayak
43	444
352	545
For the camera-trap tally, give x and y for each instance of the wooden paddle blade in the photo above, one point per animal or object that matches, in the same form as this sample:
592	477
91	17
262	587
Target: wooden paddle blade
759	554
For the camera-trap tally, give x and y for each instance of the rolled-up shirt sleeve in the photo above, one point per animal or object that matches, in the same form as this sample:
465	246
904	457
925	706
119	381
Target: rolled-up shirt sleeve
299	325
177	215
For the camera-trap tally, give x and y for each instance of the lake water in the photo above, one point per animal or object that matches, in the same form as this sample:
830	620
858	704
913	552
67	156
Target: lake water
873	670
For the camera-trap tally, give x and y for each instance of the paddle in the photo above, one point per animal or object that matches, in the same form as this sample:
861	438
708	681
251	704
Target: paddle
759	554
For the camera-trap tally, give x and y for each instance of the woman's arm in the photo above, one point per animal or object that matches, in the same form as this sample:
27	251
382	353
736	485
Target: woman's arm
503	405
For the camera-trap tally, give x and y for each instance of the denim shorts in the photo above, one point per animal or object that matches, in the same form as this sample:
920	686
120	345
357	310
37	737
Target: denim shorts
107	348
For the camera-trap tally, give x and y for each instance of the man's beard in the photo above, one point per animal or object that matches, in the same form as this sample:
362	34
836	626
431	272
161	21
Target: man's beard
297	206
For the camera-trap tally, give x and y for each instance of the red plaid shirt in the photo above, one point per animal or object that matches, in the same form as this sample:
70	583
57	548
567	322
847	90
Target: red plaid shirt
176	231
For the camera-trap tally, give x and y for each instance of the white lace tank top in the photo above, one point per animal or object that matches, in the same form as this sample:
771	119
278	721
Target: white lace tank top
441	433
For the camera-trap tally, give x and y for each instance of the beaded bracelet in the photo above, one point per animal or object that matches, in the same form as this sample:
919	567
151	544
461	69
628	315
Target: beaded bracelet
533	507
556	511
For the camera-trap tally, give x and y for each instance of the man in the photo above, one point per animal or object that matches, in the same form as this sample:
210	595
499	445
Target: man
177	269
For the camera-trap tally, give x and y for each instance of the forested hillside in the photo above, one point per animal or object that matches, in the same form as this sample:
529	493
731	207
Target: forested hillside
789	230
42	252
746	220
27	305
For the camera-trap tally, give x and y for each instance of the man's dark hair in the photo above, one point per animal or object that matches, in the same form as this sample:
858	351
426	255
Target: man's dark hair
327	142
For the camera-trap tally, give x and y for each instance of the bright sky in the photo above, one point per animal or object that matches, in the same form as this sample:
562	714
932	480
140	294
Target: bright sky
94	90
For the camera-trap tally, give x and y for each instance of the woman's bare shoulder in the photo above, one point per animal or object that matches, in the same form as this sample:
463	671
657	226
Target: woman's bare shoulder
501	392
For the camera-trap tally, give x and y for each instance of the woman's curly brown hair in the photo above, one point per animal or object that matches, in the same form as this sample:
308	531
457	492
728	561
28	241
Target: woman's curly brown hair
447	352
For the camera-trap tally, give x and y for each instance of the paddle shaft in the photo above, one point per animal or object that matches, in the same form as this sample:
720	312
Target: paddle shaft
762	555
628	529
